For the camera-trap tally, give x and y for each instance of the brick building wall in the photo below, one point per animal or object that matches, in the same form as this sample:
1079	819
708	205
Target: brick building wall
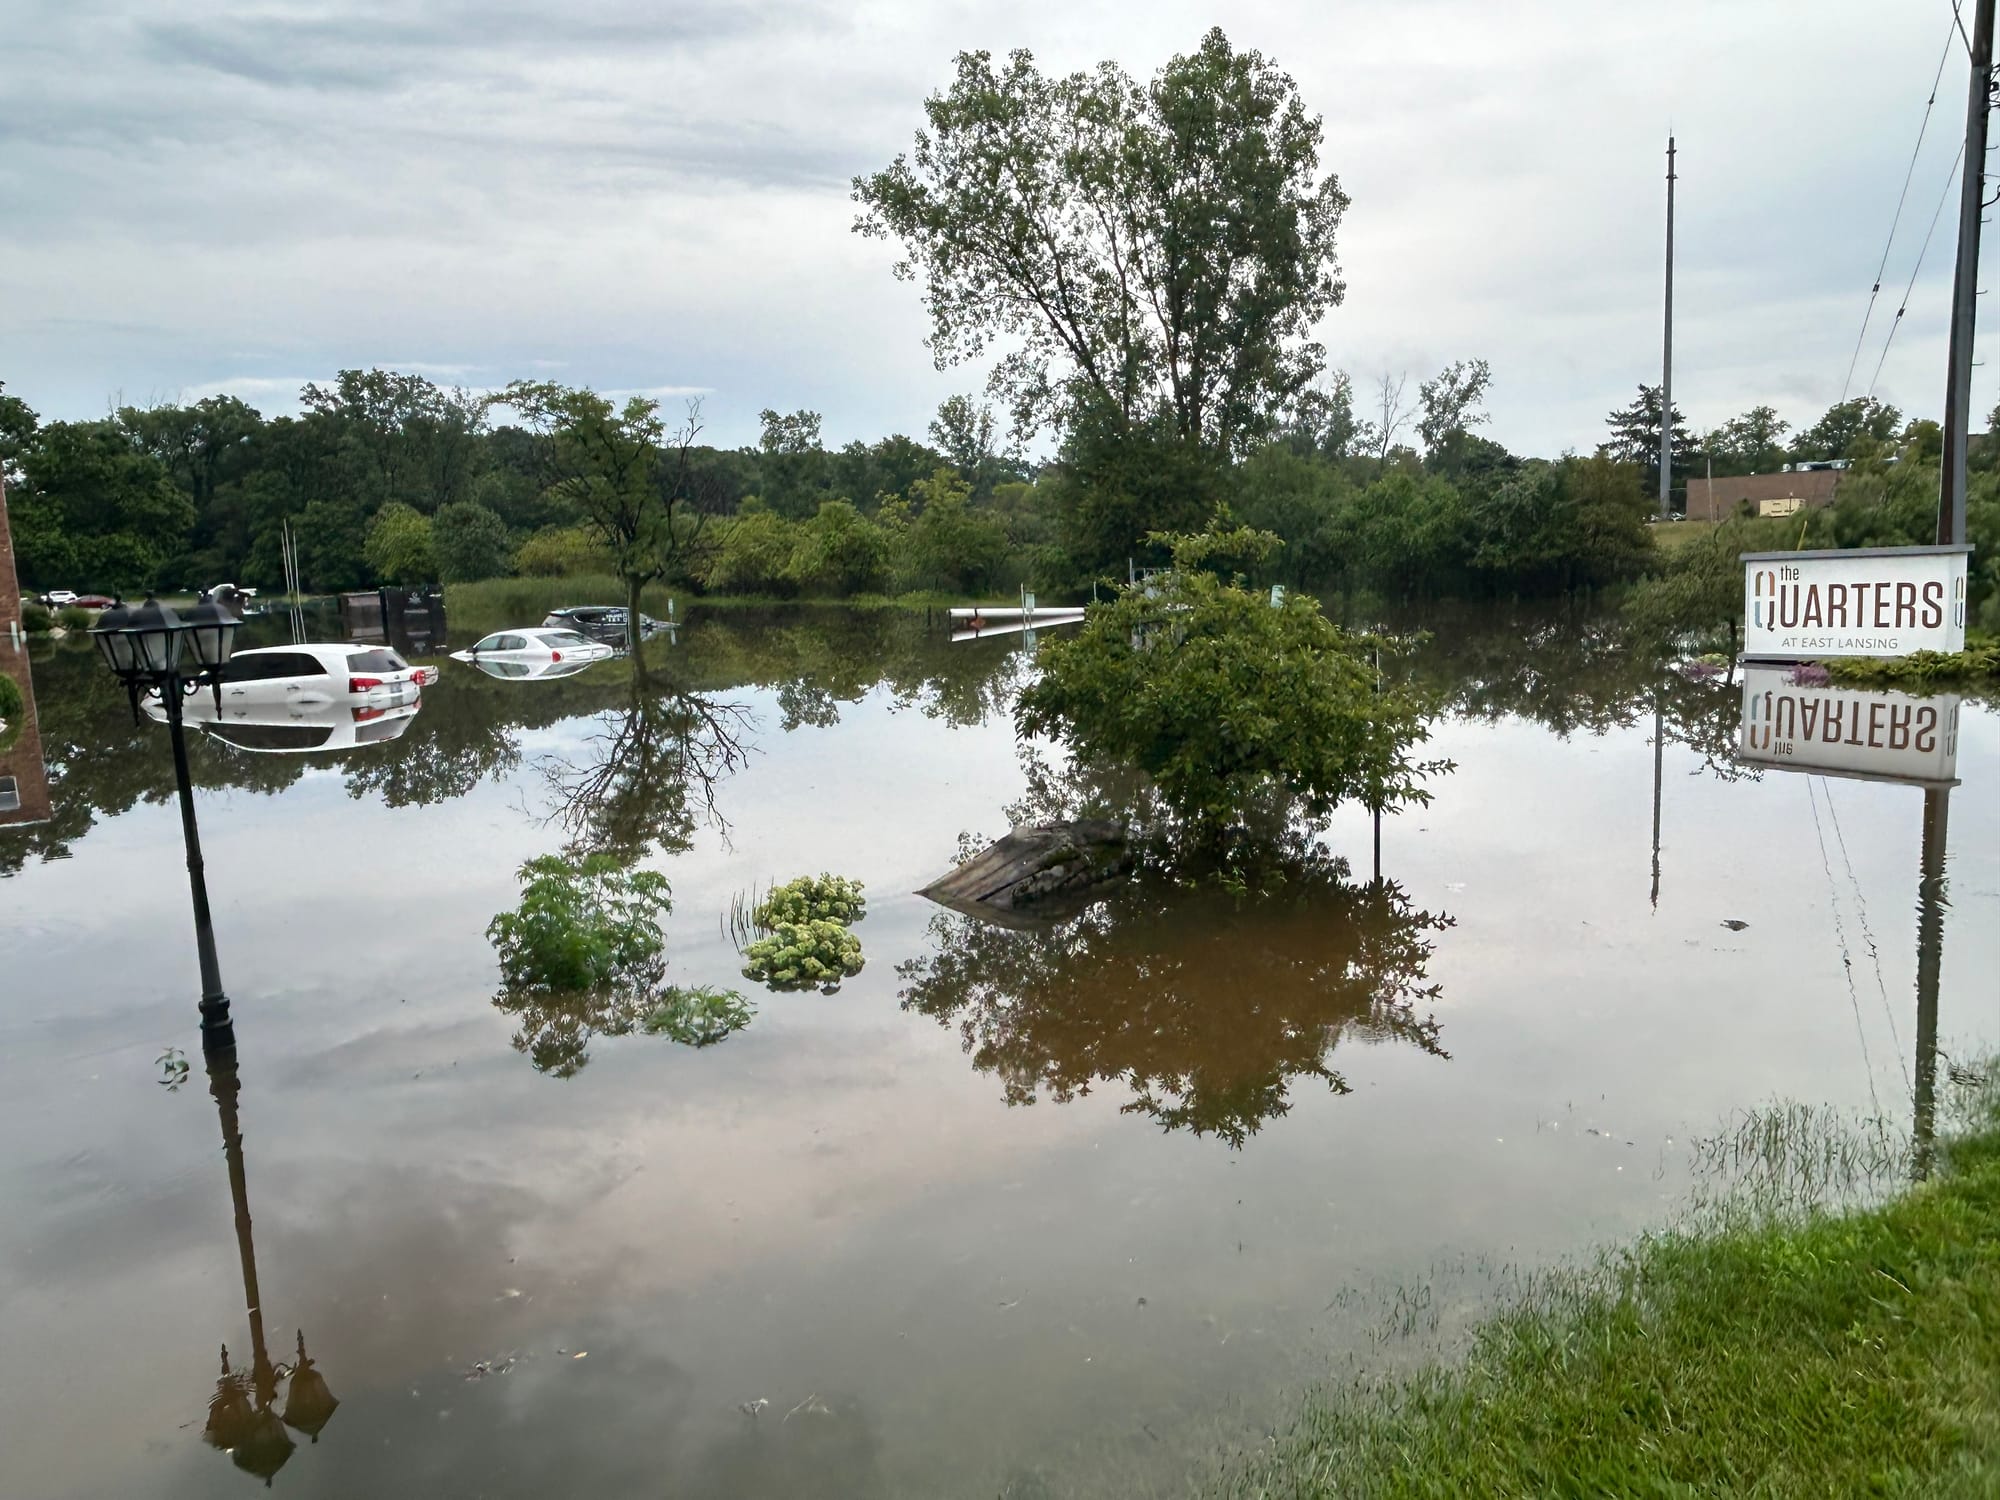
1717	500
24	776
10	588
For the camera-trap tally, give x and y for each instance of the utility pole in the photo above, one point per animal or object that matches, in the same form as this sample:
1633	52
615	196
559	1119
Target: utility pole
1965	281
1667	356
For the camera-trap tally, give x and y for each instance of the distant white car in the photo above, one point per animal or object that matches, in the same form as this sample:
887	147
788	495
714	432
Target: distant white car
57	598
294	728
322	672
539	647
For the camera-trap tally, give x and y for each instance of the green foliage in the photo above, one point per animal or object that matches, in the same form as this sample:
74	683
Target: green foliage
561	552
470	543
94	510
812	898
815	954
75	617
1120	483
13	710
754	556
588	925
35	618
840	552
946	544
1231	707
1860	419
398	547
1160	251
1921	671
1635	440
698	1016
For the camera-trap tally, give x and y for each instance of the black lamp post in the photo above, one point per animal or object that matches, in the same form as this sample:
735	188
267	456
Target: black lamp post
152	649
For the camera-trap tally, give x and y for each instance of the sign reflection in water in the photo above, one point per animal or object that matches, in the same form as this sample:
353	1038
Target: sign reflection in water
242	1421
1889	737
1836	731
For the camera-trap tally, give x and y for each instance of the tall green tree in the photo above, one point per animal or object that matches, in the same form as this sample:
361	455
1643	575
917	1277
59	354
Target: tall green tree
470	543
1753	443
634	494
1635	438
793	464
94	510
1859	417
1155	251
398	547
1449	402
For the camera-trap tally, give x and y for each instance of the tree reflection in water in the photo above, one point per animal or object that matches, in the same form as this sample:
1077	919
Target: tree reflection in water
648	776
1203	1001
638	786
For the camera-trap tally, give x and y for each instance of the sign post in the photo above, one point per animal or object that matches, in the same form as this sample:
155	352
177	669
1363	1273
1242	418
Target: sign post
1862	601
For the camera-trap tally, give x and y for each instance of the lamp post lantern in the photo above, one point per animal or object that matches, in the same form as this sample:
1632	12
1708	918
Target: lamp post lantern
151	649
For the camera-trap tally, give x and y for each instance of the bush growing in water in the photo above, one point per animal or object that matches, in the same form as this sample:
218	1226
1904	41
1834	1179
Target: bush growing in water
583	955
35	618
75	617
806	943
1232	706
810	898
804	956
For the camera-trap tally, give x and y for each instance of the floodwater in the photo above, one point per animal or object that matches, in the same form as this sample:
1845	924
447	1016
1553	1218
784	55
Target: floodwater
1012	1213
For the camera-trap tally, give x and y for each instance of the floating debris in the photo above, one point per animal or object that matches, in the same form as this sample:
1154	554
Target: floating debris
752	1408
1734	924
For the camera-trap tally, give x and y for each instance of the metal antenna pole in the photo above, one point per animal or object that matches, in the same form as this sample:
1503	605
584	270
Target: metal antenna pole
1965	282
1667	357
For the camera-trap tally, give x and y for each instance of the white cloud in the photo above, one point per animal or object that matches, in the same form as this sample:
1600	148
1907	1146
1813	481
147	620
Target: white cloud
502	191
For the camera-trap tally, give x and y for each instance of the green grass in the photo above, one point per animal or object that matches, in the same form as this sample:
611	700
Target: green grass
1674	536
1812	1355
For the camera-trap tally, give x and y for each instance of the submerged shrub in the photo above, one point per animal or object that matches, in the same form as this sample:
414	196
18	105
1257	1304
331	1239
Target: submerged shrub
584	926
35	618
817	954
75	617
831	898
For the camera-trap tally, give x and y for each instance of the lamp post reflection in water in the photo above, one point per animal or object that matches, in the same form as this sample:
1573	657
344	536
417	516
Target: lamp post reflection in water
241	1420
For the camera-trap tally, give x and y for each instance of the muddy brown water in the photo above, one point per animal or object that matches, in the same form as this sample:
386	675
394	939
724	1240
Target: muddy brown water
1011	1213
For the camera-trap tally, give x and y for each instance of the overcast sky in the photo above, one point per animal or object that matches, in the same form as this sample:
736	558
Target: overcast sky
215	195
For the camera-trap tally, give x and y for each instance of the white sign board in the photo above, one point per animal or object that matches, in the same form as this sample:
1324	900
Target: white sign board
1866	601
1835	731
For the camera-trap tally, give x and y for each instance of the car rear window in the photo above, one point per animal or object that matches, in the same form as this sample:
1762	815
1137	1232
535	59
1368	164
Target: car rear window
376	661
264	666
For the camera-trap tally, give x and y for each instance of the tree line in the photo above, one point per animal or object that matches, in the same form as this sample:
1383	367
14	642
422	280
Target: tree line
1143	265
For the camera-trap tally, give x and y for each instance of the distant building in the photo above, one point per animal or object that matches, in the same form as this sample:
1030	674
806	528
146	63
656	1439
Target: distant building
24	779
1797	487
10	586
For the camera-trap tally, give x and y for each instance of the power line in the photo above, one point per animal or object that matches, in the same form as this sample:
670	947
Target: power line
1950	181
1909	172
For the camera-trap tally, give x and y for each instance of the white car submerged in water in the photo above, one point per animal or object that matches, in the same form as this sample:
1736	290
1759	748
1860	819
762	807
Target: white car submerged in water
339	672
536	652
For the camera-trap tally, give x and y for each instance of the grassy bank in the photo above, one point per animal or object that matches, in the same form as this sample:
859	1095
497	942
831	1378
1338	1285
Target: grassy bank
1850	1354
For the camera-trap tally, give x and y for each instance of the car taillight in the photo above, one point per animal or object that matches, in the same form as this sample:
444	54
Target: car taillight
555	656
363	715
362	684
